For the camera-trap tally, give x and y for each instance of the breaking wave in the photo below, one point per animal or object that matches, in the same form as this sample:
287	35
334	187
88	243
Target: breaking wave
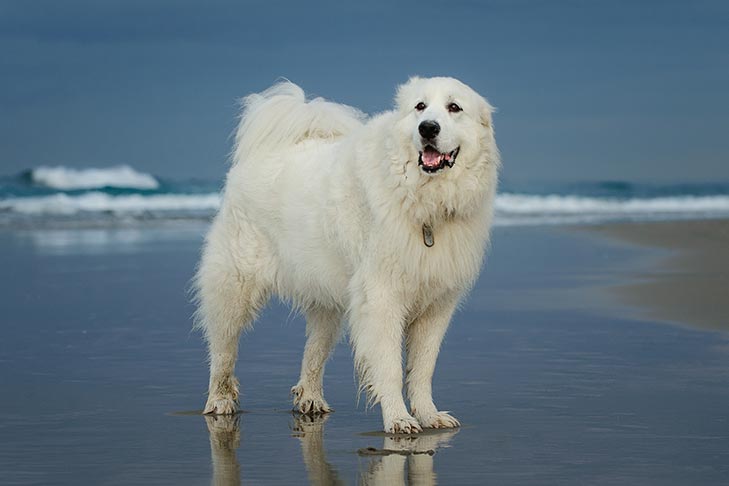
100	196
67	179
533	209
98	202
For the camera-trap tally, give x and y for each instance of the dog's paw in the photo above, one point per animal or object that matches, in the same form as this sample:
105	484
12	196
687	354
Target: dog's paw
403	425
309	403
222	396
220	406
439	420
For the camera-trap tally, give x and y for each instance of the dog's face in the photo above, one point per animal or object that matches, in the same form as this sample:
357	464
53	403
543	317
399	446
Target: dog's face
445	120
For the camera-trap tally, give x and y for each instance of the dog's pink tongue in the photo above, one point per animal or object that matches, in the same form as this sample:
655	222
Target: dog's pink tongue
431	158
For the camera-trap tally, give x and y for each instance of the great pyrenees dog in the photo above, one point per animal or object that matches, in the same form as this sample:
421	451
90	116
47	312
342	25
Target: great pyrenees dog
380	223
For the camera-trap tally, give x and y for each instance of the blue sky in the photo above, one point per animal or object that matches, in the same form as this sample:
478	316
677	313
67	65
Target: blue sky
586	90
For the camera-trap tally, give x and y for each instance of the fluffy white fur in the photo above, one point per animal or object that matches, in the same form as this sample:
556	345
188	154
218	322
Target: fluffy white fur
326	209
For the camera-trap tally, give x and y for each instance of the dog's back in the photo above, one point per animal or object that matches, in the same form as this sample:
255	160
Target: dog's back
281	117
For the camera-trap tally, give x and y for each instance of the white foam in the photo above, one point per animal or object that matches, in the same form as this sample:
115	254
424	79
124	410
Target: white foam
511	209
555	205
65	178
97	202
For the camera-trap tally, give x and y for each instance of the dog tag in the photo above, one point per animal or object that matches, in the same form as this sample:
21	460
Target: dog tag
428	236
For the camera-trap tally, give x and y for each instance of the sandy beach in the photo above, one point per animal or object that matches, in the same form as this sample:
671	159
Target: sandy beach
690	282
563	367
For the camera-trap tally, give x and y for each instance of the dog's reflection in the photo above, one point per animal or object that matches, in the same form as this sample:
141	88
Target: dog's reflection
310	431
224	442
387	466
401	460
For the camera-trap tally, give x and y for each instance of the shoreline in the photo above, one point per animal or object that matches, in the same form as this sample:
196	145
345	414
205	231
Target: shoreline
689	284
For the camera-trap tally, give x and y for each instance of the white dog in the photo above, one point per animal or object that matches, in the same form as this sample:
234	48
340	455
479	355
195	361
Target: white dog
382	222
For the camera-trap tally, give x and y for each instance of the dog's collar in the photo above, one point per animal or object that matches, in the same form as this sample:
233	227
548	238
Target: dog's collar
428	235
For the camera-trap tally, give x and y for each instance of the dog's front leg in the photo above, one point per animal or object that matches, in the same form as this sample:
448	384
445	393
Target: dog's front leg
377	320
424	337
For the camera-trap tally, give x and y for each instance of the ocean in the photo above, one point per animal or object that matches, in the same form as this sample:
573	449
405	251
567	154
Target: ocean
122	195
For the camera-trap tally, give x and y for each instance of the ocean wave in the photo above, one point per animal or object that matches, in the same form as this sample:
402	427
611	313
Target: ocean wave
66	179
555	205
512	208
99	202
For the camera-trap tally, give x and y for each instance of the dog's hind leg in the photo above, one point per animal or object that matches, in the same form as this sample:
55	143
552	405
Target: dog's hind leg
231	288
322	330
424	337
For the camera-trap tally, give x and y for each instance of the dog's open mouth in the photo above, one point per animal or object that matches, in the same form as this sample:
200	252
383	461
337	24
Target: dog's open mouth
431	160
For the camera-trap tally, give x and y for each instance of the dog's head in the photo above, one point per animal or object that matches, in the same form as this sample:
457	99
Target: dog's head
446	122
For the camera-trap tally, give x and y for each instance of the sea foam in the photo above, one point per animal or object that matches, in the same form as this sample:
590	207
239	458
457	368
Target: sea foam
513	208
557	204
510	208
99	202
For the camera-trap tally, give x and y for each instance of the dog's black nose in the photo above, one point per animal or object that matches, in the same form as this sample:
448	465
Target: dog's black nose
429	129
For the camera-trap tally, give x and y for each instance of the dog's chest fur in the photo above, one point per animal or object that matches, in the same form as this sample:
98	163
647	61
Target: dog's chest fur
450	264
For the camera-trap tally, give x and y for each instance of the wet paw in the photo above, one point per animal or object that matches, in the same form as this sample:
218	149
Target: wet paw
309	403
439	420
403	425
221	406
222	396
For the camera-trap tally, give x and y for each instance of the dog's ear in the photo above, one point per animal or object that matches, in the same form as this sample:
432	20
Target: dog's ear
402	97
486	111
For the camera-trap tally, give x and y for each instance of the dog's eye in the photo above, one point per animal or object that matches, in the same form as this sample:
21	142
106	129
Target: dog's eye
420	106
454	108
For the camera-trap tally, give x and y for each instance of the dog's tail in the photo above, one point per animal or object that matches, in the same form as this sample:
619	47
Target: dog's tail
281	117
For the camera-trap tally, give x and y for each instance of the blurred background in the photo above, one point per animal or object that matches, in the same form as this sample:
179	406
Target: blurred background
595	99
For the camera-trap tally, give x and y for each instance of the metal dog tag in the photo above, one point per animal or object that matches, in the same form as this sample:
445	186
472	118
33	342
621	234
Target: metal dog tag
428	236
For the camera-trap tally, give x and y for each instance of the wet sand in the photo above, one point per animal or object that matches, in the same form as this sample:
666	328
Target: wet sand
689	284
555	379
